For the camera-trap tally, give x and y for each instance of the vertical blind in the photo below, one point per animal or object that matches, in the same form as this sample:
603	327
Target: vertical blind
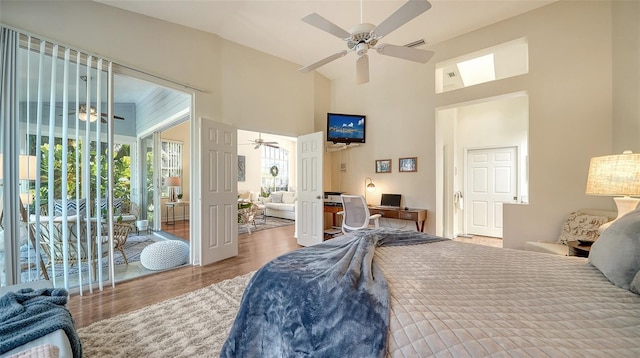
54	119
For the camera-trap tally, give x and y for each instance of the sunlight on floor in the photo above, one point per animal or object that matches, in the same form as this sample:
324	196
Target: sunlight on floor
481	240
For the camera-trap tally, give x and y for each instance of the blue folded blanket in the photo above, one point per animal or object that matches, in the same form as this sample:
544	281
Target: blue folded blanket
327	300
27	315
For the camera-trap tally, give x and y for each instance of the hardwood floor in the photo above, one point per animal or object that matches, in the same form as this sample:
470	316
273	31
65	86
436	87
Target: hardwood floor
179	228
253	251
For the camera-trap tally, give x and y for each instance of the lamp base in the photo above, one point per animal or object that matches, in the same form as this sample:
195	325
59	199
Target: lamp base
624	204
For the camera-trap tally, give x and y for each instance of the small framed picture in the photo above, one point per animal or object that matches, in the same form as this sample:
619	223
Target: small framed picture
408	164
383	166
241	168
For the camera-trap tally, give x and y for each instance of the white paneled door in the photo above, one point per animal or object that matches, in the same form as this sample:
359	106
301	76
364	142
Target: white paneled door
310	204
491	181
219	205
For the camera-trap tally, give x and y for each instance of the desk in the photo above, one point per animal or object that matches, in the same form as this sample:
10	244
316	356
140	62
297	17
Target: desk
333	210
172	205
419	216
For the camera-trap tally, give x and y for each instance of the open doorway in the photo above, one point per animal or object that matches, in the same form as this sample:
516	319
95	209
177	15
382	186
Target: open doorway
486	131
175	171
266	164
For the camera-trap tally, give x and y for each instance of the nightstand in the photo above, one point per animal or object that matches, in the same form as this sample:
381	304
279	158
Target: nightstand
578	249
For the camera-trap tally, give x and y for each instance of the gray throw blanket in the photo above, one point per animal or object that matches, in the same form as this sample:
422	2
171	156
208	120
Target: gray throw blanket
327	300
27	314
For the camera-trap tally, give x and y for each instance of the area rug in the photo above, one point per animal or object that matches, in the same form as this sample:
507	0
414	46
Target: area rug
132	249
270	223
195	324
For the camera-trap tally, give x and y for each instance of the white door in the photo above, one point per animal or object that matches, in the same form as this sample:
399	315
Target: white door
219	192
492	181
310	204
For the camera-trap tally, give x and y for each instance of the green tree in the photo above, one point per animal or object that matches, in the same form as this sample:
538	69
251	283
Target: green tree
121	169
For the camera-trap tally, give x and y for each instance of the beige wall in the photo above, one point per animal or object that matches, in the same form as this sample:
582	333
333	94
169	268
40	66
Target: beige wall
626	76
570	120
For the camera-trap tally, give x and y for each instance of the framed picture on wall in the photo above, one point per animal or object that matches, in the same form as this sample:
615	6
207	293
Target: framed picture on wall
241	167
383	166
408	164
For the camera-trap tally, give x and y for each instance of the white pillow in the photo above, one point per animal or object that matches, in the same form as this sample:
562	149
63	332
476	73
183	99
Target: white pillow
288	199
276	197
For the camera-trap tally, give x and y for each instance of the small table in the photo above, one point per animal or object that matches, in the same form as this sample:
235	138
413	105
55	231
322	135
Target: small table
578	249
172	205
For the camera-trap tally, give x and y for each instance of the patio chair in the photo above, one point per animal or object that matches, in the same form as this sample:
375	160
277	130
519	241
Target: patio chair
121	232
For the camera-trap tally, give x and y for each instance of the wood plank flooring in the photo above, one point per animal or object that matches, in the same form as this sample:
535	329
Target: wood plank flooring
253	251
180	229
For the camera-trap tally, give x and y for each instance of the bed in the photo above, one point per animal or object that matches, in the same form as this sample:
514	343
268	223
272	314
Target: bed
448	299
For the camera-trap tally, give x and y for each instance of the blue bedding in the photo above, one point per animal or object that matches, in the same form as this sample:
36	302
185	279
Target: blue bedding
27	314
327	300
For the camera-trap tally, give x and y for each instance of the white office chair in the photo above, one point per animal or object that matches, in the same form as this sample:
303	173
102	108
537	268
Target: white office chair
355	214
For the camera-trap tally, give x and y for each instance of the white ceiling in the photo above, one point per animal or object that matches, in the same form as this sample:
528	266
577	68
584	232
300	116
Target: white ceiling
274	26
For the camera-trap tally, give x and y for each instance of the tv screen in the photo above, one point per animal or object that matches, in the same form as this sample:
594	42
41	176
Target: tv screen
345	128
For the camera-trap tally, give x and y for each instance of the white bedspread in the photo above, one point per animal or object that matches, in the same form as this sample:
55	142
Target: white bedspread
453	299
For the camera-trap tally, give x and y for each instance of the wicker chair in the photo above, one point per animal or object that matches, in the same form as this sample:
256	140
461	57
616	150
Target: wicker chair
120	234
247	215
52	245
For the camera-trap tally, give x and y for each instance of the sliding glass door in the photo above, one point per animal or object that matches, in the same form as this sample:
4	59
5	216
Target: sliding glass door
60	164
150	181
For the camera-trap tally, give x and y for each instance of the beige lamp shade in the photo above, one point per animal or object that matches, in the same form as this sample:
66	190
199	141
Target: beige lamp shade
614	175
617	176
172	181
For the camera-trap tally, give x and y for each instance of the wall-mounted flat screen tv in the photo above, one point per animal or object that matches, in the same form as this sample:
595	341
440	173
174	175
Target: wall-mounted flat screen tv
346	128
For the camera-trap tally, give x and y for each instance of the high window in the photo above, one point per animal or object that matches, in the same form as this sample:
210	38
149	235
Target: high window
171	163
494	63
275	169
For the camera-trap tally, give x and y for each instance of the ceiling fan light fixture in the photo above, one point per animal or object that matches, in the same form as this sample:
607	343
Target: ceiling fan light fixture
82	114
361	49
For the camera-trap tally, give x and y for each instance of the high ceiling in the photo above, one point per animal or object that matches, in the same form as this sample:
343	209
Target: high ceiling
274	26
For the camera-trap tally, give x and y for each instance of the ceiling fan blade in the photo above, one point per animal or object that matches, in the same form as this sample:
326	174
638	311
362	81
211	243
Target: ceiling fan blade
323	62
362	69
326	25
406	53
104	115
257	146
404	14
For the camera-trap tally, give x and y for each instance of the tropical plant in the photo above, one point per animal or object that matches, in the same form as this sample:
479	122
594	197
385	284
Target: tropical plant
121	169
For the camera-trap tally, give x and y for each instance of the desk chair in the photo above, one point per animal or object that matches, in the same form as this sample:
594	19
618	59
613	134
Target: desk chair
356	214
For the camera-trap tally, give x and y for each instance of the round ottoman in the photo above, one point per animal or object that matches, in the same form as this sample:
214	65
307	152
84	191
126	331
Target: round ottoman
164	255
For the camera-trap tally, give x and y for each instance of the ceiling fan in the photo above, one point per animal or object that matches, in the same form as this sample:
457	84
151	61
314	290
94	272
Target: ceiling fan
365	36
92	113
260	142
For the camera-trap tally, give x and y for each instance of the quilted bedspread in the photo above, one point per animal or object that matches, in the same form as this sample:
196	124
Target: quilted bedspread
453	299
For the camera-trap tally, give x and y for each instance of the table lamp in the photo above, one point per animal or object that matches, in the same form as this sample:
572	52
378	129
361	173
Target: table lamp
618	176
368	187
172	183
